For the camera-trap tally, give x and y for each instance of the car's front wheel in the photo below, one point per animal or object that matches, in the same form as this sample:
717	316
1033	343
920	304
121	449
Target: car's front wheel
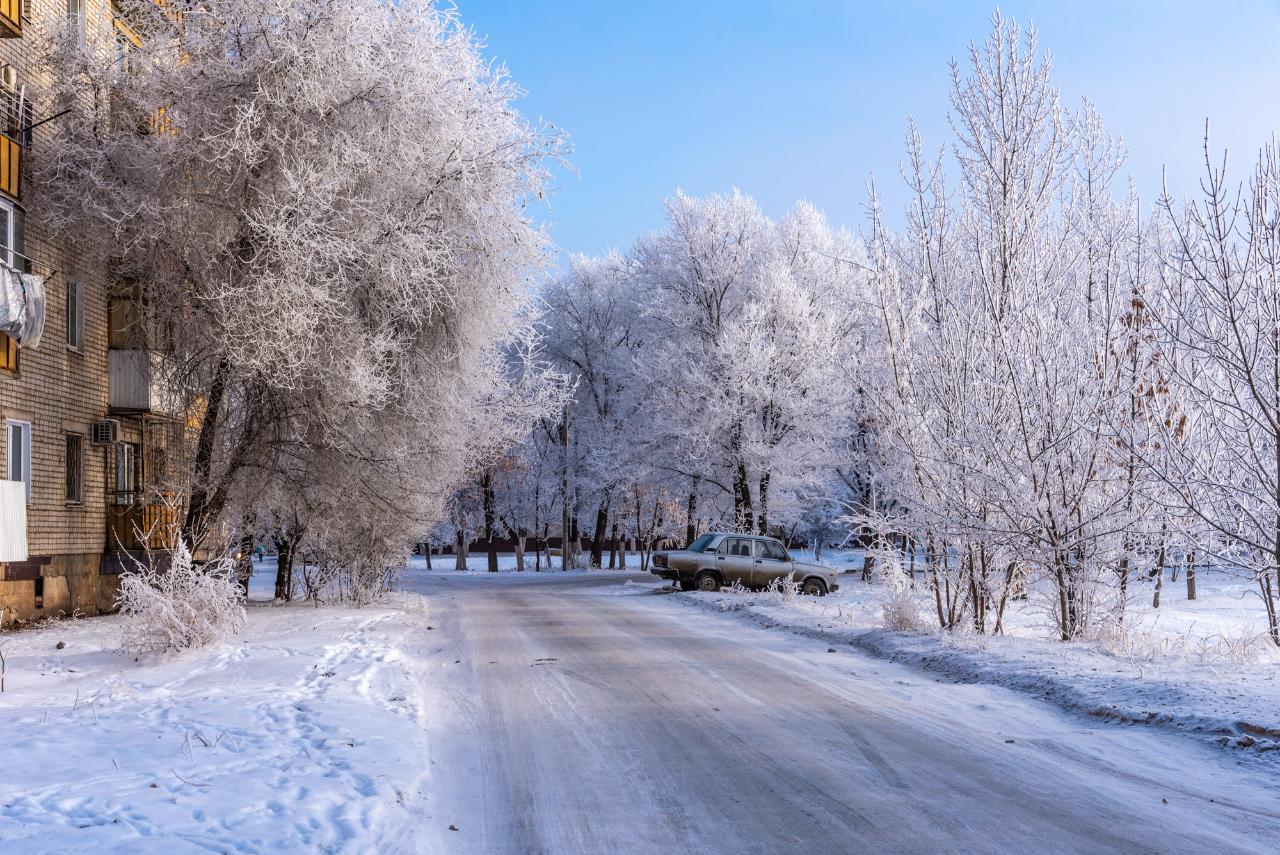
707	581
814	588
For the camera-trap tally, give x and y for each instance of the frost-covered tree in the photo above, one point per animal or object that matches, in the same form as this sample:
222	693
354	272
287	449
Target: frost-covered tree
1000	309
593	335
753	350
325	203
1221	324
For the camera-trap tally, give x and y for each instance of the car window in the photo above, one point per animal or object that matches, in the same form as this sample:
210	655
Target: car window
701	543
773	550
736	546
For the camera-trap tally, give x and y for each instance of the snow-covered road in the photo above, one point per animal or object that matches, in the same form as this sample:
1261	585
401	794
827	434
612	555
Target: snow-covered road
584	715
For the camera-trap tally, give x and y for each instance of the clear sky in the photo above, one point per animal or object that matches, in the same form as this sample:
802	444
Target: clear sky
808	98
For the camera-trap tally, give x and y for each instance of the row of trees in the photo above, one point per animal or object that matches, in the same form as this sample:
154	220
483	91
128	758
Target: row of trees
1034	384
716	376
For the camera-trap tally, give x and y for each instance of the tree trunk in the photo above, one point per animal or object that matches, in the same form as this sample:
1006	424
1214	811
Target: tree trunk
597	536
518	543
613	546
491	546
426	550
1191	575
691	512
460	551
286	545
764	505
244	555
566	559
199	510
1160	562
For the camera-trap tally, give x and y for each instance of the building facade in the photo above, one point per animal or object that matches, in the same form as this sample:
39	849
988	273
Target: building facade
77	409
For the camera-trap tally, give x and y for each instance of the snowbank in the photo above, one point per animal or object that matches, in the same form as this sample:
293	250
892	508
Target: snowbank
1180	676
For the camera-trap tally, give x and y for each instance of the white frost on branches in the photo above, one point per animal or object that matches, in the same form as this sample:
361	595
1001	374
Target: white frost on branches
180	608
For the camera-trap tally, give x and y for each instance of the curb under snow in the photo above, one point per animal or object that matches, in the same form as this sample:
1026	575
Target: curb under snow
1186	707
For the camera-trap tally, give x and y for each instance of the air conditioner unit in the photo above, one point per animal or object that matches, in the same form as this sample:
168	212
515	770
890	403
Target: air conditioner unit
9	77
104	432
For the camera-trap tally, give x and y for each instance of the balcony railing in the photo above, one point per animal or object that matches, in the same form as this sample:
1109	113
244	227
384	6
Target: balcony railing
10	19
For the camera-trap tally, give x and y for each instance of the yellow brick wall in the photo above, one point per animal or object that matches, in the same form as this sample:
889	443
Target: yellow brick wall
59	390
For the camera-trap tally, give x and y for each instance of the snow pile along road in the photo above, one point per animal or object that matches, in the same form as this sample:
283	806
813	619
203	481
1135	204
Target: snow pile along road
303	734
1235	704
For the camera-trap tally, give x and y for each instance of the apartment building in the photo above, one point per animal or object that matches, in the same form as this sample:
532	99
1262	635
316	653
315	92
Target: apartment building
77	410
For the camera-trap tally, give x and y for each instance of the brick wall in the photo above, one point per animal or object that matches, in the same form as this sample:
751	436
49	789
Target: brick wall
59	390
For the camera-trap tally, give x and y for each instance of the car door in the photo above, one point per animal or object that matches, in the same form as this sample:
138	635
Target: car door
736	561
772	562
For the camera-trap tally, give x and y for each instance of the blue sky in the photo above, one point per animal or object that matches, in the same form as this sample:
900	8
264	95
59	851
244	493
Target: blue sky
809	98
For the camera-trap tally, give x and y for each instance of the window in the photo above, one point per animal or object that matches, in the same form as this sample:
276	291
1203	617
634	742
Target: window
75	468
124	321
8	353
126	472
701	544
75	19
772	550
736	546
17	453
7	222
75	317
126	39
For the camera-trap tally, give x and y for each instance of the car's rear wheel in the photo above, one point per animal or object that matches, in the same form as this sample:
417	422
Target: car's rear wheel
707	581
814	588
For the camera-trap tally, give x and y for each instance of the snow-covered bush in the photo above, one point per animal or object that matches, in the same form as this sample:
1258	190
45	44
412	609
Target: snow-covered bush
181	608
783	589
901	611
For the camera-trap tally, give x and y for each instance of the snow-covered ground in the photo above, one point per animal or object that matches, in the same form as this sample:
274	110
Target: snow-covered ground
583	712
1204	666
303	734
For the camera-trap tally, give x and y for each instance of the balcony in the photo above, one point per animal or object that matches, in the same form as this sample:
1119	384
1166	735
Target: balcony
140	381
10	166
10	19
134	525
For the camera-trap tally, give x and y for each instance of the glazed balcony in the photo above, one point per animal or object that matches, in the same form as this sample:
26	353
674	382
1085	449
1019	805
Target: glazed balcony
10	19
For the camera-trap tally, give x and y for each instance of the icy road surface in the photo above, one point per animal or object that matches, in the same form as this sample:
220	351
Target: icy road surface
582	715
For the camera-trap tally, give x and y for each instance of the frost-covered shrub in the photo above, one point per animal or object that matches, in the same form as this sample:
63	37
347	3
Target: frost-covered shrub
181	608
901	612
783	589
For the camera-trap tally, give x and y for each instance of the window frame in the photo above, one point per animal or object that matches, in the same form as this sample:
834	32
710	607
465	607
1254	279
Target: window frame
9	235
77	16
75	320
762	550
127	493
73	477
24	428
8	353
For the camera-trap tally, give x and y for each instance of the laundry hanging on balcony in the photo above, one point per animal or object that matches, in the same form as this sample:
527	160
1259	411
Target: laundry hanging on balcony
21	306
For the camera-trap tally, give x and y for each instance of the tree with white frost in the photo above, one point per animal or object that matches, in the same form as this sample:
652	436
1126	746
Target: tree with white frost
753	350
593	336
1221	324
325	202
1000	309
